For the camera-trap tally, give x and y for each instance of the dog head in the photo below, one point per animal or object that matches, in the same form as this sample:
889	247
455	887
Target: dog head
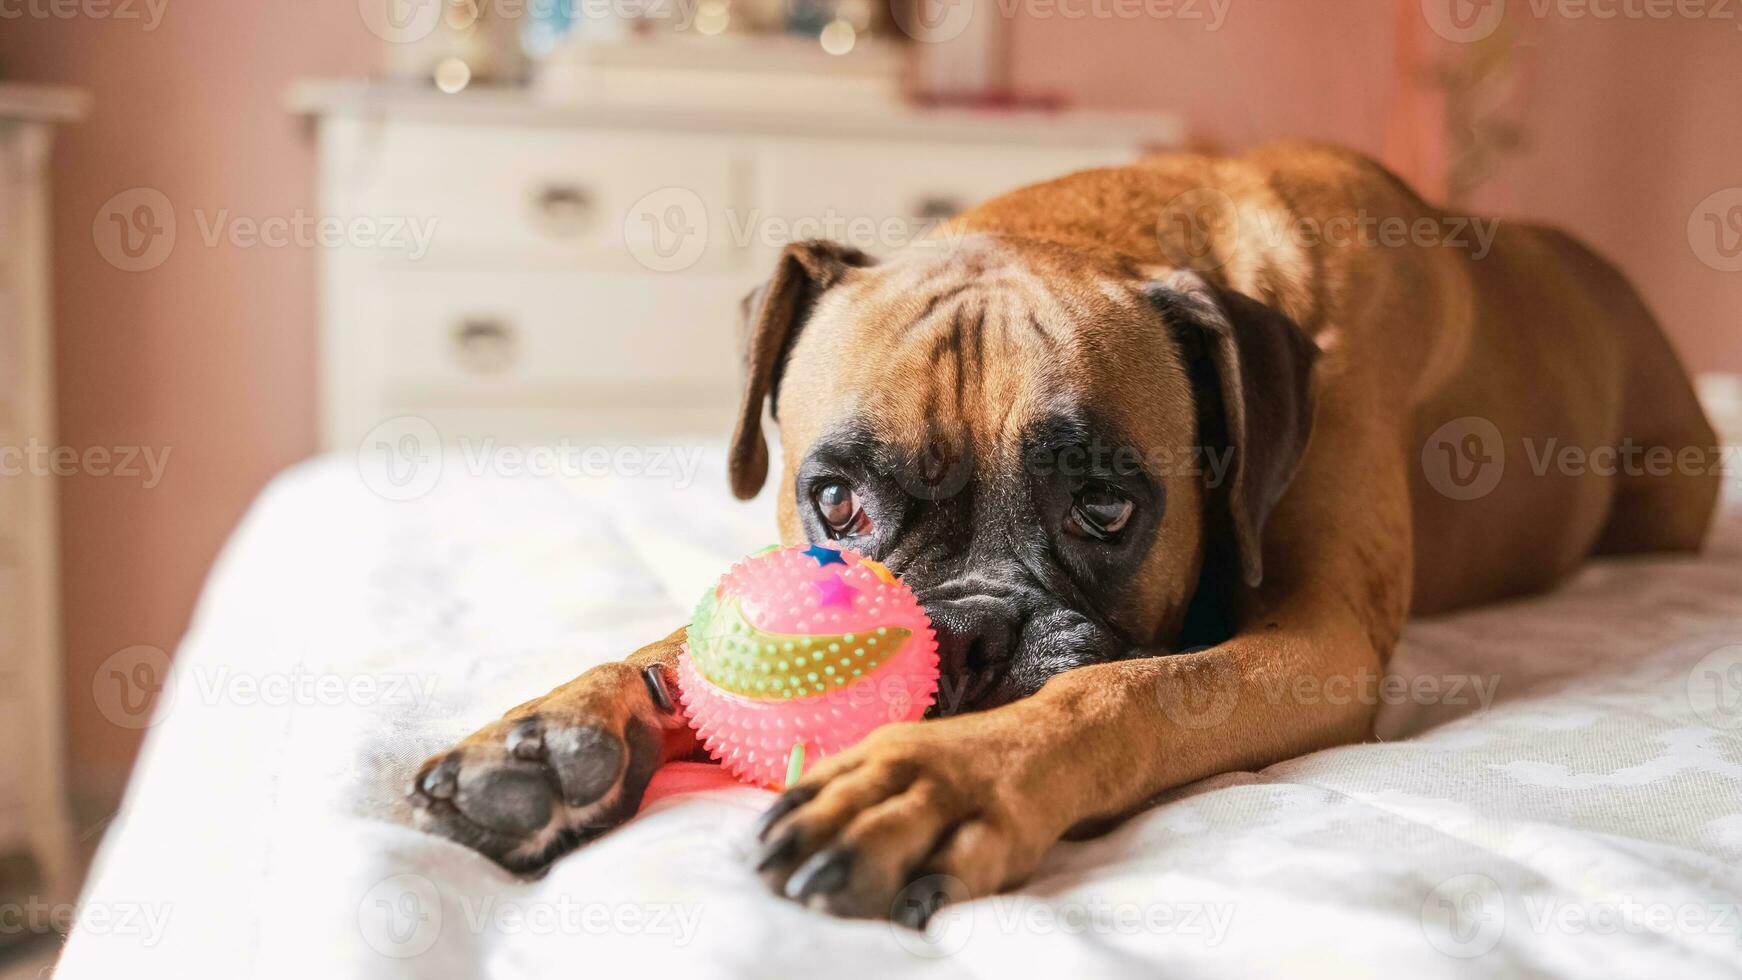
1055	448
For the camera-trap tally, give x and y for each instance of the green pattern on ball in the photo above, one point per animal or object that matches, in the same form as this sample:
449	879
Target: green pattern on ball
734	655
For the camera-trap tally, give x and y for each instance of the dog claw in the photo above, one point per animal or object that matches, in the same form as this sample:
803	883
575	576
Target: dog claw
788	801
657	689
822	874
526	742
442	780
914	913
778	849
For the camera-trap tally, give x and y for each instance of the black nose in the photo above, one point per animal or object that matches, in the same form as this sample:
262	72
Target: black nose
976	636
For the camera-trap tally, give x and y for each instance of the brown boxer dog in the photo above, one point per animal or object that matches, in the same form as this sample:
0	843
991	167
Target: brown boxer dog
1168	452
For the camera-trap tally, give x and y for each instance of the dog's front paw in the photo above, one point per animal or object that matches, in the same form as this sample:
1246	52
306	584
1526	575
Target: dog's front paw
910	802
530	787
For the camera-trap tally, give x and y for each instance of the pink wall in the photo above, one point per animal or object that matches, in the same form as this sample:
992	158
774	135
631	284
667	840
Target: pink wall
211	355
1308	68
1634	126
1631	124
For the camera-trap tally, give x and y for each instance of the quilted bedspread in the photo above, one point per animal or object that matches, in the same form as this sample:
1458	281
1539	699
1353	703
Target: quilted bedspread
1555	787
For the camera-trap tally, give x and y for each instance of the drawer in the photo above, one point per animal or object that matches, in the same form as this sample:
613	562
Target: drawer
878	195
523	338
612	200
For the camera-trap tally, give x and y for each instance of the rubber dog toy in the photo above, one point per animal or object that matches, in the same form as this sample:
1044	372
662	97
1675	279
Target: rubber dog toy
799	653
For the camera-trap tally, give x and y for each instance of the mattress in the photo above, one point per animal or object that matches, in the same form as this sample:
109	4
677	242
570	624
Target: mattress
1555	785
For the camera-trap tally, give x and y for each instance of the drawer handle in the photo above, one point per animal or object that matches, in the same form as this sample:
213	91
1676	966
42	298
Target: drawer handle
564	209
937	207
484	345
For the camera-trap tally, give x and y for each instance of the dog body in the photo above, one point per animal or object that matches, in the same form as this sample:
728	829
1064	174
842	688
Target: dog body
1112	417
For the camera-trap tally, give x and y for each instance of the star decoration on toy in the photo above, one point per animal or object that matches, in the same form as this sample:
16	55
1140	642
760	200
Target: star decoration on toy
833	591
825	556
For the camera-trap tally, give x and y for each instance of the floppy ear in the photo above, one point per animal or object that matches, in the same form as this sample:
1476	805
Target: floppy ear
1252	372
774	312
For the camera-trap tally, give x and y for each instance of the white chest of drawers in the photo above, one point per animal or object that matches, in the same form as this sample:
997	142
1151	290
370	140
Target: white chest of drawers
581	266
34	832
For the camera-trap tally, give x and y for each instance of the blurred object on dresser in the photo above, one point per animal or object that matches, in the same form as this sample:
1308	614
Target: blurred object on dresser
453	43
714	50
783	71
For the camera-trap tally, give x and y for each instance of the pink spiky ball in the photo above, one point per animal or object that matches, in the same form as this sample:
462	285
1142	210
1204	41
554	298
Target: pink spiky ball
799	653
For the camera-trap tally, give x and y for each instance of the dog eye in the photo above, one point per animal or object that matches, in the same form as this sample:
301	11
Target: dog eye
840	510
1099	512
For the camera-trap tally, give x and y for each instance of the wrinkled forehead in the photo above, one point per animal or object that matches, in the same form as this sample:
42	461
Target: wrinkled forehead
982	345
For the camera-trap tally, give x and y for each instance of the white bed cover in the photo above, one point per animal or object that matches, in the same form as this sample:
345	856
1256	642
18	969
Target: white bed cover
1556	786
